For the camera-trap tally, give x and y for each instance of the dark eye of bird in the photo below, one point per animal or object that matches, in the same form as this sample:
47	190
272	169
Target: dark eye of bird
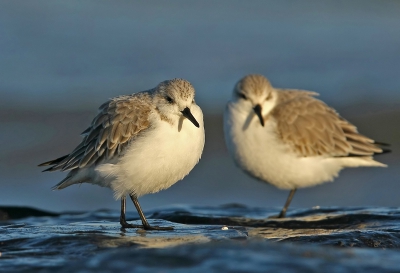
242	96
169	99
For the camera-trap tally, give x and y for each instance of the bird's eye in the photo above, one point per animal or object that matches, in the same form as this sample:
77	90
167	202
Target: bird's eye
169	99
241	95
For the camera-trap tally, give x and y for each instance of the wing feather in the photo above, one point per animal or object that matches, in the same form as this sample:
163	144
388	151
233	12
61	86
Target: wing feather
101	150
74	163
118	122
89	153
312	128
102	137
92	134
102	119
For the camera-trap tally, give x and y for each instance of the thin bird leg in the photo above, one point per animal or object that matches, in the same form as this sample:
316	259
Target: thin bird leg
289	199
122	219
146	224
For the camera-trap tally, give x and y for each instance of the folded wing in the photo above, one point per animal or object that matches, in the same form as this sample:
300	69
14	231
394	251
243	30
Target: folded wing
118	122
312	128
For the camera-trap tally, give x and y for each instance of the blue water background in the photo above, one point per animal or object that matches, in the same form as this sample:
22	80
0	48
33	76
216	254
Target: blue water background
59	60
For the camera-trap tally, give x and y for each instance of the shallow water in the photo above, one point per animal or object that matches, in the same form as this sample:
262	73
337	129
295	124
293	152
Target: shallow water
230	238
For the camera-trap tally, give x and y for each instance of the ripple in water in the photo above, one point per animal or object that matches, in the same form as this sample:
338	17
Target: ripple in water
230	238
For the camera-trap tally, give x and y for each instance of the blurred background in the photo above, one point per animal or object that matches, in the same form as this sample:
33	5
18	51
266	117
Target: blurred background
59	60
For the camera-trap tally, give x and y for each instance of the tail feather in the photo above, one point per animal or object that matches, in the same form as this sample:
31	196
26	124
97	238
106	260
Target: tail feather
72	178
379	150
75	176
381	143
63	183
53	168
384	151
53	162
361	162
48	169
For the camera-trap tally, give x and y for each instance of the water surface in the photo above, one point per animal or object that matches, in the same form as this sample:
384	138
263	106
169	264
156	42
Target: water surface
229	238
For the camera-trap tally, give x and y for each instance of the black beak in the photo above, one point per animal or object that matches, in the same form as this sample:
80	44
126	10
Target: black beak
257	109
187	114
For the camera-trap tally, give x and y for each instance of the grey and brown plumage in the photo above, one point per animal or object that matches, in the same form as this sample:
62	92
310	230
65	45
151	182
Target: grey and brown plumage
291	139
138	144
119	120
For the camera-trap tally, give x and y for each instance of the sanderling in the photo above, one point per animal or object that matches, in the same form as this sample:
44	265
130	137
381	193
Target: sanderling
290	139
138	144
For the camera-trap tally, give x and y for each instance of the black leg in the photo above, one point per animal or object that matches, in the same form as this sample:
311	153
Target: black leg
122	219
283	211
146	225
289	199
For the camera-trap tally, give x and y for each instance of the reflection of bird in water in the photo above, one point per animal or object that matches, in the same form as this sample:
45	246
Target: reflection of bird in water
138	144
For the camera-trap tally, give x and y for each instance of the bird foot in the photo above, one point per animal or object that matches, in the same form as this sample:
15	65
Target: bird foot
126	225
157	228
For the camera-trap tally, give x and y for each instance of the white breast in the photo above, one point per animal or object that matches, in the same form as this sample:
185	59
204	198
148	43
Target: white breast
260	152
157	159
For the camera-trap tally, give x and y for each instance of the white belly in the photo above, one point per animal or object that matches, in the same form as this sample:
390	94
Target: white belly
156	160
260	152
